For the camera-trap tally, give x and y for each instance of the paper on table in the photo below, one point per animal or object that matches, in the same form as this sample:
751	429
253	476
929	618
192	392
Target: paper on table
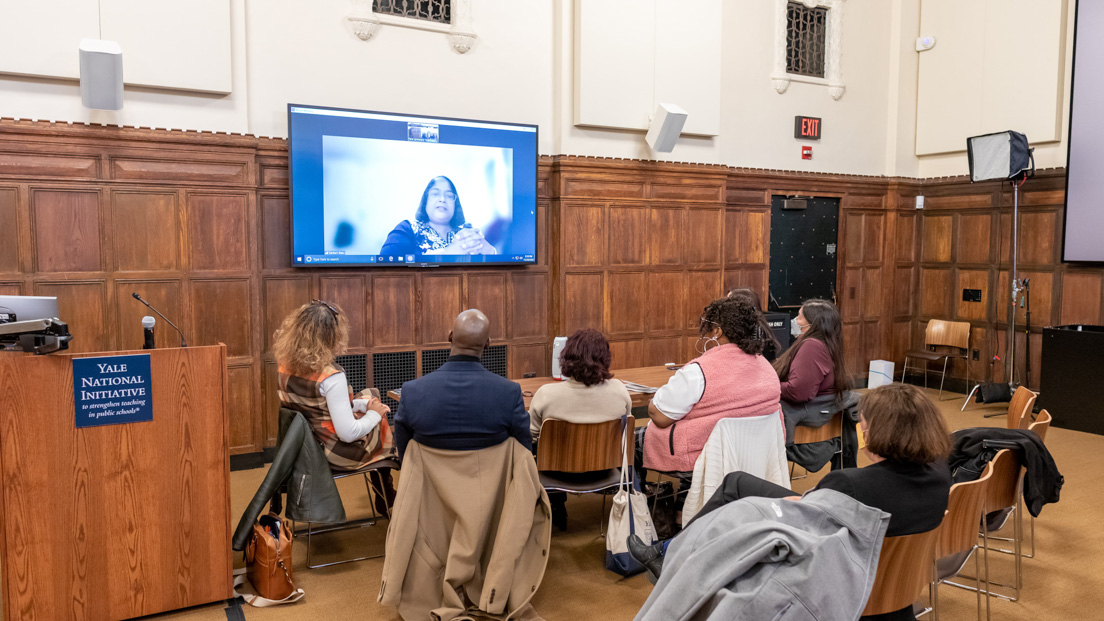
639	387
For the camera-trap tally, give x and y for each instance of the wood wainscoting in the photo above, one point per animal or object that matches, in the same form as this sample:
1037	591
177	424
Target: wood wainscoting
199	224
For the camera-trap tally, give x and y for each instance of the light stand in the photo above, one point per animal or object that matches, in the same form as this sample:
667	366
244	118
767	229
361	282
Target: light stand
1003	155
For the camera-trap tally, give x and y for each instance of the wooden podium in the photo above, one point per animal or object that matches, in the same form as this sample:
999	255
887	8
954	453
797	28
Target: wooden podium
115	521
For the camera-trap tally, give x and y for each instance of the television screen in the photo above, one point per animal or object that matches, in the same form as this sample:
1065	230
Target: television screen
374	188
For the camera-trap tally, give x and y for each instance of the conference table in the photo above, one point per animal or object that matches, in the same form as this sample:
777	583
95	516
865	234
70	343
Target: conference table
645	376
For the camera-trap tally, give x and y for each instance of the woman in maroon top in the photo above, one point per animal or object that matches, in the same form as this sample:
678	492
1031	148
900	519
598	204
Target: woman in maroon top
812	374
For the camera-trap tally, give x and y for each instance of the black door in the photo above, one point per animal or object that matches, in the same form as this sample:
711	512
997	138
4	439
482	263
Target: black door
802	251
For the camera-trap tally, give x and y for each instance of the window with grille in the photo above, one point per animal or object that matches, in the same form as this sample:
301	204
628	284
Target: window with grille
806	31
439	11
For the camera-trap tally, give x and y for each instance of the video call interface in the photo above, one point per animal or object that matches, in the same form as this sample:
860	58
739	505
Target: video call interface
373	188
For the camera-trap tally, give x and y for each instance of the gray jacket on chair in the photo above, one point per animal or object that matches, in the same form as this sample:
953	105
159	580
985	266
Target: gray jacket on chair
311	492
766	558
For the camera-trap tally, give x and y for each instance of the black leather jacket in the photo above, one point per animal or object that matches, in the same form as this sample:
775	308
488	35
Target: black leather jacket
311	492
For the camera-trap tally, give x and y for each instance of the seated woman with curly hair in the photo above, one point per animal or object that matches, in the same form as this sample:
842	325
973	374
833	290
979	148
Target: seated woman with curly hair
589	394
732	379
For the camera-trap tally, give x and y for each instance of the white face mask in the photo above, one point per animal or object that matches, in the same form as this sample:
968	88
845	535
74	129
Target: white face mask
795	328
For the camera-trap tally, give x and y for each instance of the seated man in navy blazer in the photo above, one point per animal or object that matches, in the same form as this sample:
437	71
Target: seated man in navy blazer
462	406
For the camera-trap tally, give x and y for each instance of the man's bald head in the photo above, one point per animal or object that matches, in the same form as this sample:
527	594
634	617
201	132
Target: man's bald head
470	333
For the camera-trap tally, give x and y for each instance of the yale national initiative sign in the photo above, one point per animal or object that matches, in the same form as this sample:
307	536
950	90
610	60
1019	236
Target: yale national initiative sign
112	389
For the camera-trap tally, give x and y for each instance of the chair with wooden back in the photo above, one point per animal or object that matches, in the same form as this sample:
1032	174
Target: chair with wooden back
583	458
808	435
958	536
943	340
904	569
1040	427
1019	408
1002	496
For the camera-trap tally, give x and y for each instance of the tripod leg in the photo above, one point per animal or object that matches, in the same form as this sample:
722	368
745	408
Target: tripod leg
968	397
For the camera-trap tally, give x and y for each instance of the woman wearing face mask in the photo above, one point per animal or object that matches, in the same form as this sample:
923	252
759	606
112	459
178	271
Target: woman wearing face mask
812	375
730	379
438	226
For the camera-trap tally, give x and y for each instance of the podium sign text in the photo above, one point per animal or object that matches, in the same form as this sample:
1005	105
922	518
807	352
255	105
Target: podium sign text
111	390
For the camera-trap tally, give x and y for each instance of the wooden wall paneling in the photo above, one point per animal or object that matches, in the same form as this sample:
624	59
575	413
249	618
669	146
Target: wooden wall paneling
582	232
275	231
935	293
872	349
873	238
628	235
218	231
973	237
487	292
901	341
583	302
666	301
50	165
704	228
543	233
82	305
146	231
1080	297
851	230
853	348
67	230
11	288
166	296
439	302
702	287
219	316
393	311
757	242
850	299
904	284
10	229
686	192
270	403
872	298
906	237
206	172
240	407
972	279
351	295
733	278
735	234
937	239
626	354
665	246
281	296
1040	239
979	340
527	305
658	351
524	359
625	303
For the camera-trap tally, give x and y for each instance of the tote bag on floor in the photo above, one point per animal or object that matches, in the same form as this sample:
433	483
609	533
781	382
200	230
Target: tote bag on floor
629	515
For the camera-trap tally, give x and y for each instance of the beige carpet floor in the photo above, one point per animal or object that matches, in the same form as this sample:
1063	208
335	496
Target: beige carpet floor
1064	581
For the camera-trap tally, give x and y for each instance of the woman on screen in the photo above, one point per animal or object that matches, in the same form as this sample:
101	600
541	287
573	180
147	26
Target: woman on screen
438	226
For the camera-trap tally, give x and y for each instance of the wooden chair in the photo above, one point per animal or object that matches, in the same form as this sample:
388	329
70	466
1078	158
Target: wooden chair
583	458
1002	502
942	340
1019	408
904	569
958	538
808	435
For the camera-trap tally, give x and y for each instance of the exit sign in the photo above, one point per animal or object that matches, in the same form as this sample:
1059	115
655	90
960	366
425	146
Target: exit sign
806	128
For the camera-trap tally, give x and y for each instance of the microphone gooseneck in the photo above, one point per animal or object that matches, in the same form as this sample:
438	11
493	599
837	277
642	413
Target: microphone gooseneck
183	343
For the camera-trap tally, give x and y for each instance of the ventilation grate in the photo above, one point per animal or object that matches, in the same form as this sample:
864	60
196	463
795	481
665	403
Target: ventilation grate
356	370
389	371
432	359
805	39
494	359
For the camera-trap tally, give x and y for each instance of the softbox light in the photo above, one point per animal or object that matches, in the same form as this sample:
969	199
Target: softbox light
998	156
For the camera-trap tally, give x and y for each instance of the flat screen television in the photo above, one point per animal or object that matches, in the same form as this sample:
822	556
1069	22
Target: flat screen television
384	189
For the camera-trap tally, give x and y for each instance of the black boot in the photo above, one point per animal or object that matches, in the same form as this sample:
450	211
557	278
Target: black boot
558	500
650	556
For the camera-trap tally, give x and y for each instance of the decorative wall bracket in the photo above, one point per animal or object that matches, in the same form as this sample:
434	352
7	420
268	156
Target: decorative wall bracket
833	77
460	33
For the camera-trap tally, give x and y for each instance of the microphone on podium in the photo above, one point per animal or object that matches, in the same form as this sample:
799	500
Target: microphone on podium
147	327
183	343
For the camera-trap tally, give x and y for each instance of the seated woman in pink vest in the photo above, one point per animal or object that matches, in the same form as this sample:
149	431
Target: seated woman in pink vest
730	379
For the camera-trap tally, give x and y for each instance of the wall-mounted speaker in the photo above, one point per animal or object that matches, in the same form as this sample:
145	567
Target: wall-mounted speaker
666	126
101	74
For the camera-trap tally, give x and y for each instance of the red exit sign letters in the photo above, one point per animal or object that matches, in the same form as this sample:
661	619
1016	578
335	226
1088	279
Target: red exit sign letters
806	128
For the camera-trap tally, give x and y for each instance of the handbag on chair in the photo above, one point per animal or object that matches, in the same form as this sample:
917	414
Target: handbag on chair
628	515
268	564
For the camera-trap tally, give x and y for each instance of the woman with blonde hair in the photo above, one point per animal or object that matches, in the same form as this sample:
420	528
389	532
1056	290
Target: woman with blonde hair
353	431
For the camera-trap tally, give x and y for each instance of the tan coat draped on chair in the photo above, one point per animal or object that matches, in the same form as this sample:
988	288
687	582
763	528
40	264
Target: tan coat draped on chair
469	534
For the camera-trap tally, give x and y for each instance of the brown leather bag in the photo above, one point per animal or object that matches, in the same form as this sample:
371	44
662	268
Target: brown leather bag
268	561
